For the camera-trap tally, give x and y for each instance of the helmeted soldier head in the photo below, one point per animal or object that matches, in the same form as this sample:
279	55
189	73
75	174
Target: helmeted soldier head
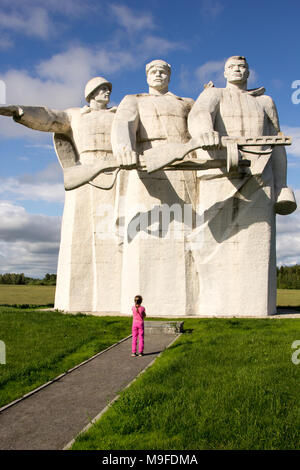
93	84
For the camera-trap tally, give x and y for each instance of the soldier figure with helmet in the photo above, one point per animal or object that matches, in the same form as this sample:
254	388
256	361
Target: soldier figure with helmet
82	139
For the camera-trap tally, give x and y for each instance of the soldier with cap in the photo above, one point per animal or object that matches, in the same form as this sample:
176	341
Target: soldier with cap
82	140
156	260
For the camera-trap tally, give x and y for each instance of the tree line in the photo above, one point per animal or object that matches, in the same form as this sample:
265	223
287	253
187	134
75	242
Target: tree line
288	277
21	279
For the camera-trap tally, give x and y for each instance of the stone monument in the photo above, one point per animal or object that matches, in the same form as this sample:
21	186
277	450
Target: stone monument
235	245
89	264
169	199
156	259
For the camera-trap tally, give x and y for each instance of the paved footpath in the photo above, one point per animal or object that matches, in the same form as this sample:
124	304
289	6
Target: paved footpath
54	415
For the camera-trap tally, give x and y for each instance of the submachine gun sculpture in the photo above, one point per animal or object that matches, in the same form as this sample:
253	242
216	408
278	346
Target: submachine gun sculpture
164	157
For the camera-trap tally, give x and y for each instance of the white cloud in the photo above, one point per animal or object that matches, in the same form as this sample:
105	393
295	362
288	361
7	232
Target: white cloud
45	185
130	20
33	22
288	236
213	70
29	243
154	44
211	9
293	132
59	81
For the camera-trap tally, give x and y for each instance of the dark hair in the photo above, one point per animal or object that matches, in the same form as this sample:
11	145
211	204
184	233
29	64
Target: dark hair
138	299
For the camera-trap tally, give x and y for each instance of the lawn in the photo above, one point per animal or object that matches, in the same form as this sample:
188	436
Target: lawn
224	384
44	295
28	294
288	298
42	345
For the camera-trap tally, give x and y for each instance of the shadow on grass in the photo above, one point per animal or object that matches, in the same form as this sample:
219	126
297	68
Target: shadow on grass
287	307
152	353
188	330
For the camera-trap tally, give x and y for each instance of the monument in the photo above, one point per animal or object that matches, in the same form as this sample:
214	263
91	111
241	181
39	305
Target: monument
168	198
89	265
235	255
157	207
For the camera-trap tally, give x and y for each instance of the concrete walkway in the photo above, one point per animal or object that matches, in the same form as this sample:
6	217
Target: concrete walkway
54	415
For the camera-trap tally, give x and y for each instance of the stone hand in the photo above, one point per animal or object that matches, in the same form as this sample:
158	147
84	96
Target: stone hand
210	140
11	110
126	157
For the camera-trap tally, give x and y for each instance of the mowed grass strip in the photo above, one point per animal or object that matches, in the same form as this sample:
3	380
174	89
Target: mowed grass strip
288	297
27	294
44	295
224	384
42	345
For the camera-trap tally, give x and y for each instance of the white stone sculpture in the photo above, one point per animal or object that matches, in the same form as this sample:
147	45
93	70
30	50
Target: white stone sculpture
156	209
89	265
234	247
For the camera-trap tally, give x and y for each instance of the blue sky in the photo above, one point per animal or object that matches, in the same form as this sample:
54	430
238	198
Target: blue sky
50	49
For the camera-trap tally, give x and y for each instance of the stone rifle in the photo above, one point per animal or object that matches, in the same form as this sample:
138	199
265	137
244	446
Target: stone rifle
163	156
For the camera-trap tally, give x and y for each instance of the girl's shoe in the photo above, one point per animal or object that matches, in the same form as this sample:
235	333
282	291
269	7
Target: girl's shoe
141	354
133	354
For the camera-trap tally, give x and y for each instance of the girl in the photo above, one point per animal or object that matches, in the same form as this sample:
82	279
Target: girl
139	314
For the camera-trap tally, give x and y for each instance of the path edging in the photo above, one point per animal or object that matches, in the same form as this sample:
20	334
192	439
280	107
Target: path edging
32	392
96	418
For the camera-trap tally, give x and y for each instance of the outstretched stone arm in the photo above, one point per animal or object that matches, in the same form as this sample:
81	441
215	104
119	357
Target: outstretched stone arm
123	133
38	118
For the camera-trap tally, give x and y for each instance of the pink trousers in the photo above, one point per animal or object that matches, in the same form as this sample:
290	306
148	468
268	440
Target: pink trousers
138	332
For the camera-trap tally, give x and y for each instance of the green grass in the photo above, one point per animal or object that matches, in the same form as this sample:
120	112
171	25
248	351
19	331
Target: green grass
288	298
28	294
224	384
42	345
44	295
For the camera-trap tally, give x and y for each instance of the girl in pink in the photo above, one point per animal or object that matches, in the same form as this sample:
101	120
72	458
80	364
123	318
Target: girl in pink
139	314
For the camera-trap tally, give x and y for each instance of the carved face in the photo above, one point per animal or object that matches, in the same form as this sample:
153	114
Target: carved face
101	94
158	77
236	71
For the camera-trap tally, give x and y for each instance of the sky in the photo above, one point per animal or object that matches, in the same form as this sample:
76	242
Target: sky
49	50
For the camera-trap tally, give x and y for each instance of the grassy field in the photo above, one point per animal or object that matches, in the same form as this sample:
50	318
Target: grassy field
224	384
42	345
44	295
288	298
28	294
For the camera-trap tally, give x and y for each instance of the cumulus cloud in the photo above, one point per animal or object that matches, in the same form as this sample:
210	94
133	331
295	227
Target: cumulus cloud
45	185
131	20
151	44
31	22
29	243
288	236
211	9
293	132
212	70
59	81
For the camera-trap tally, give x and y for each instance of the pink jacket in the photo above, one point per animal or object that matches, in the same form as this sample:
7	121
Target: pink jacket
138	316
